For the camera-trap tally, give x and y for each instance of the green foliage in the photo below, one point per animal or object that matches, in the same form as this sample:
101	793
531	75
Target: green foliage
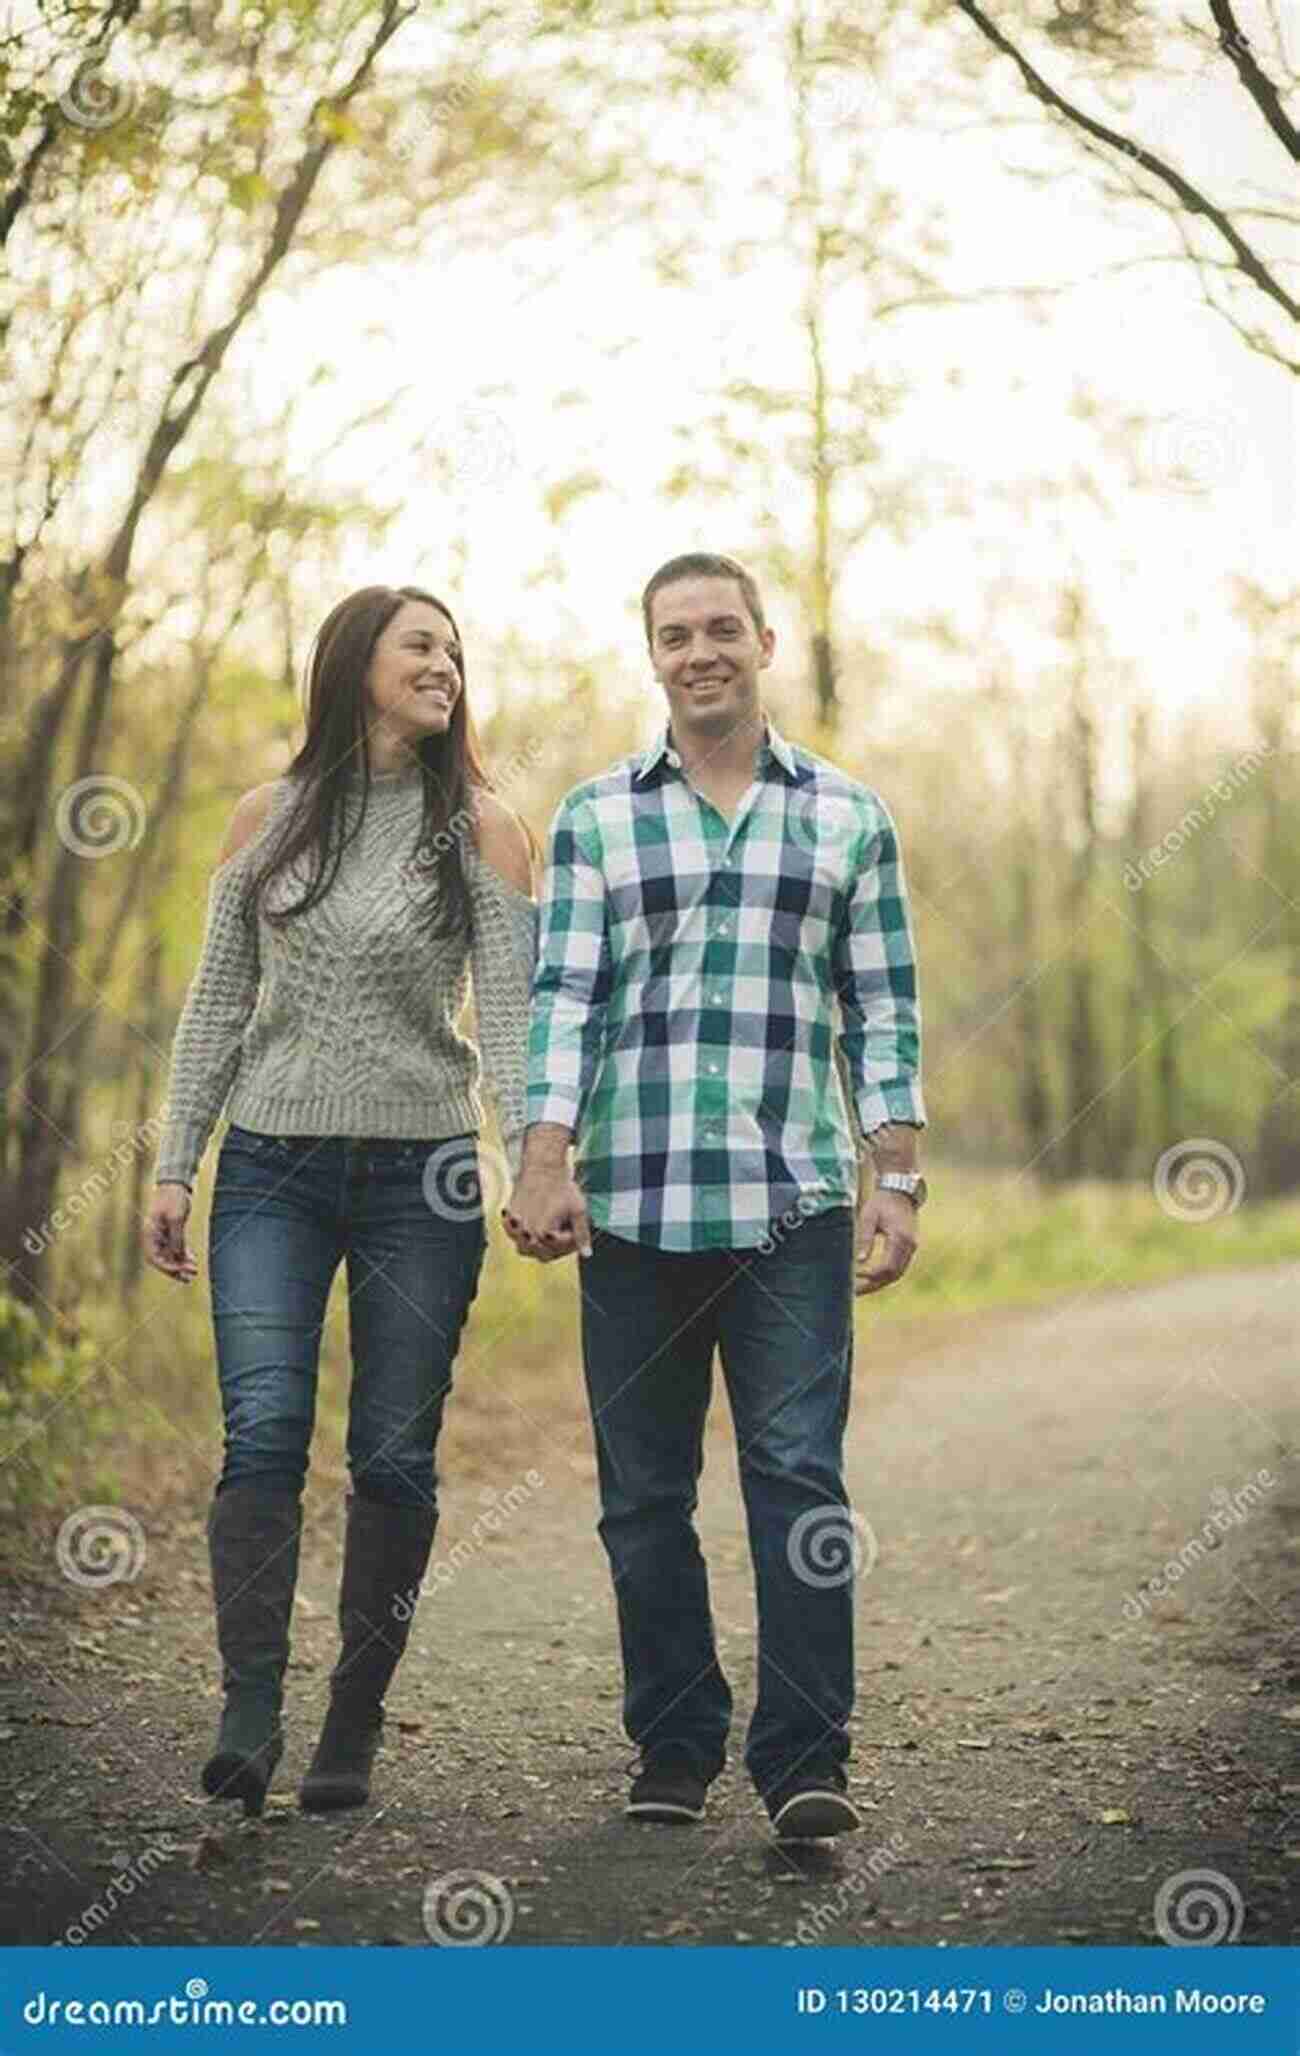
51	1408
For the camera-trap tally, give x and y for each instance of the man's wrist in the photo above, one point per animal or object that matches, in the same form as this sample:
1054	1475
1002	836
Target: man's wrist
546	1147
894	1146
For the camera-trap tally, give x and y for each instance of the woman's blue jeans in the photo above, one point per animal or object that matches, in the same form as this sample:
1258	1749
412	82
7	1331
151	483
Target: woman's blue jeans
782	1322
407	1217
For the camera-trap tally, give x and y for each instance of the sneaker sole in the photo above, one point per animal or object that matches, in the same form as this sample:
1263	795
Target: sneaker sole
661	1810
810	1816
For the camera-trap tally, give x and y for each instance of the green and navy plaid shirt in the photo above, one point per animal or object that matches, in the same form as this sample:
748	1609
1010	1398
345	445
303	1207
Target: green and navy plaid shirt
692	977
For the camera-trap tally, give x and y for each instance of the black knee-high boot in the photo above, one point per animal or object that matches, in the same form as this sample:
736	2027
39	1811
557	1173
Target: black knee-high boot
253	1542
385	1556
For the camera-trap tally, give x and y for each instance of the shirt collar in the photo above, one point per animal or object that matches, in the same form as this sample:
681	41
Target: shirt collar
775	749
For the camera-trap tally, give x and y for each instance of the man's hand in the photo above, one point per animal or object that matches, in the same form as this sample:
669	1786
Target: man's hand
892	1216
547	1216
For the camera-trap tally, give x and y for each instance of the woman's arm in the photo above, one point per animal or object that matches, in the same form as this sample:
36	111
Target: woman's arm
220	999
502	956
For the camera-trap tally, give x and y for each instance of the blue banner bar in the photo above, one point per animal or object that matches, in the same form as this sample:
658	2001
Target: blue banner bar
624	2001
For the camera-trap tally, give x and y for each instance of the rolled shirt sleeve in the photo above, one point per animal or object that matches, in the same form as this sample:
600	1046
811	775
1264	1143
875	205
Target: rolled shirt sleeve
874	971
571	983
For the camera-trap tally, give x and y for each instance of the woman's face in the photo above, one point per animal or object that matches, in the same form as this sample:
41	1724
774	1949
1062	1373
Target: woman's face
414	682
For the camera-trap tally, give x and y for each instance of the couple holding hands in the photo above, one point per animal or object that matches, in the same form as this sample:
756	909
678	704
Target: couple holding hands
721	957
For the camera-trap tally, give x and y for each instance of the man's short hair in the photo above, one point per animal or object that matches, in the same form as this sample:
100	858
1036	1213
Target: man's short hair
704	564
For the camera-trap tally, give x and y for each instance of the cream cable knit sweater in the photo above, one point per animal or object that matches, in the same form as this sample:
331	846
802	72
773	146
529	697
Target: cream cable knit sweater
343	1022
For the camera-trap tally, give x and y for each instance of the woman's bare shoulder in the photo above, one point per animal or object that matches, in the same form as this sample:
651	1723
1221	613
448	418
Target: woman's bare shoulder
503	842
248	818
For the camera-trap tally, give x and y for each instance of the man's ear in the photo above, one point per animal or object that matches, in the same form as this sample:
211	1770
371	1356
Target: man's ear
767	647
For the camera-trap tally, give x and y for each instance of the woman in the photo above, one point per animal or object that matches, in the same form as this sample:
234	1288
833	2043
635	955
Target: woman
351	900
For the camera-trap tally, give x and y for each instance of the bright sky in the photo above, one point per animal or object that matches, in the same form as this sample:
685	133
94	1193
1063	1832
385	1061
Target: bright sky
1205	481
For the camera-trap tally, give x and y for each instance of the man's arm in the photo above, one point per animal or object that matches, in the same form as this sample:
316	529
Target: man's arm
547	1214
878	1052
874	971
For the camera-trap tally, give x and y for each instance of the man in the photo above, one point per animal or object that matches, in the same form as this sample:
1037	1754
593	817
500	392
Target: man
710	903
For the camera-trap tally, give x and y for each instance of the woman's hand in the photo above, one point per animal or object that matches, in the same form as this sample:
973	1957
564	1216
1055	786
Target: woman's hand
164	1232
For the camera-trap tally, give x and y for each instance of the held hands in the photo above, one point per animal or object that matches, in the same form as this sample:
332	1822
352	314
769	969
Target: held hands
164	1232
547	1214
892	1217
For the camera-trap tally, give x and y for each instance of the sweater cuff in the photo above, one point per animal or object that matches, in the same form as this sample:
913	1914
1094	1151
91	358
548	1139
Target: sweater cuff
180	1151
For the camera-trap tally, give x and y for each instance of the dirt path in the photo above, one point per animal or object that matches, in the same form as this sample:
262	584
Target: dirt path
1034	1758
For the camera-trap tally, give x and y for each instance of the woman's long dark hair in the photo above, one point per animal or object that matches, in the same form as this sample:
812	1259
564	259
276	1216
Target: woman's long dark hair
336	745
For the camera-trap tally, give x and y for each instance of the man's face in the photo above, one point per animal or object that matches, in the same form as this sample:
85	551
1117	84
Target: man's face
707	655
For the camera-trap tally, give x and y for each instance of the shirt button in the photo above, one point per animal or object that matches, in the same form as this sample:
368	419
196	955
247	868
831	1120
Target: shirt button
711	1067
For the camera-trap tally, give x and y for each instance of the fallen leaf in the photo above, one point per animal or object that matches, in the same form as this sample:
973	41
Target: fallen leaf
306	1923
1114	1817
973	1742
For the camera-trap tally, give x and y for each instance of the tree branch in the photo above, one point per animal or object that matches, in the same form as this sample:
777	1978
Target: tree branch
1192	199
1253	77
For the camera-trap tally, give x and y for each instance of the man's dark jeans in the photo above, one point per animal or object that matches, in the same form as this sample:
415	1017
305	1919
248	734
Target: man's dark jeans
407	1217
782	1322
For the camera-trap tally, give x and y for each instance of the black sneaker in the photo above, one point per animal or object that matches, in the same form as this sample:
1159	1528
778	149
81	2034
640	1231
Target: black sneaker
671	1787
812	1804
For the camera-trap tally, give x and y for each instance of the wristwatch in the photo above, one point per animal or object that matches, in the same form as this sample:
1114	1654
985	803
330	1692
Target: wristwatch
910	1182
